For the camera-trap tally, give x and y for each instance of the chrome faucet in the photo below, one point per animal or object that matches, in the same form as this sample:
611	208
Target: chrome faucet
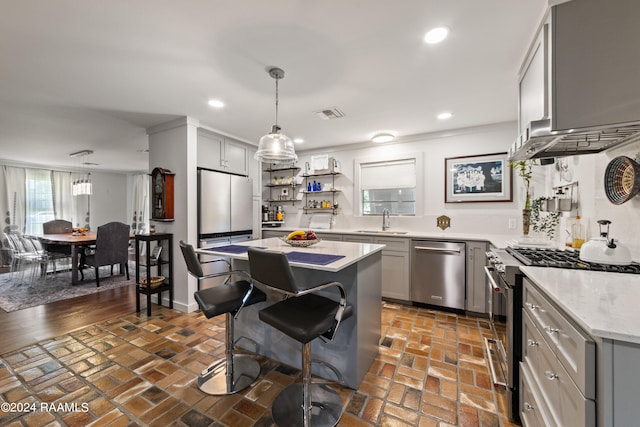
386	220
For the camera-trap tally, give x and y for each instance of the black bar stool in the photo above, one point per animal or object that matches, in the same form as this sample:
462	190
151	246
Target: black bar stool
233	372
304	316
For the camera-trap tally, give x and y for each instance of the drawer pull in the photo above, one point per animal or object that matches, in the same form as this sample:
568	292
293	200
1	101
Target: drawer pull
532	343
532	306
528	407
550	375
551	330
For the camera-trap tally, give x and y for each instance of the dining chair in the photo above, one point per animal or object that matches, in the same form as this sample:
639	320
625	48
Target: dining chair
56	251
26	255
112	247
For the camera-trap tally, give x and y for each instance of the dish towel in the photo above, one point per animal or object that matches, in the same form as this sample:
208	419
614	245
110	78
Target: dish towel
320	162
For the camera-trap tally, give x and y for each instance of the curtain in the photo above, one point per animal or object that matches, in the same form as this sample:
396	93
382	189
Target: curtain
13	202
140	203
63	204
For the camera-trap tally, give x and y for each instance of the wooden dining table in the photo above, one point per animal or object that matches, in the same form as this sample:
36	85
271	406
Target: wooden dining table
74	240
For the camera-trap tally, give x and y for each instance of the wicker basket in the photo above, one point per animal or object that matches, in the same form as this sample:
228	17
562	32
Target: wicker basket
300	243
155	281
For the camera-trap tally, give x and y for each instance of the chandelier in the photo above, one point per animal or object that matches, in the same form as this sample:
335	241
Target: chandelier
276	147
82	185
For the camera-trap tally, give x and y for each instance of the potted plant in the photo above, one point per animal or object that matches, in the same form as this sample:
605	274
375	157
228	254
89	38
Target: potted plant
544	222
524	170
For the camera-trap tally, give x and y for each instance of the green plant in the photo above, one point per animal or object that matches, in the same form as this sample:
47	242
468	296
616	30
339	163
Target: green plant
543	222
524	168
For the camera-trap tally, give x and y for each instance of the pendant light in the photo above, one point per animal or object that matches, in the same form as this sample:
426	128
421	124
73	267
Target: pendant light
82	186
276	147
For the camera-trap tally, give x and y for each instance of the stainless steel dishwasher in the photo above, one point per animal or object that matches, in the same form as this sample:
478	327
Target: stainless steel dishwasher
438	273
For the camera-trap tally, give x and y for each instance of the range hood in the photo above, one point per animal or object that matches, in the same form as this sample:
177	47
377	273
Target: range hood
539	141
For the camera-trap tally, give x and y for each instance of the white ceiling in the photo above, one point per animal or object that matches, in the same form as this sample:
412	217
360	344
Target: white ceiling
94	75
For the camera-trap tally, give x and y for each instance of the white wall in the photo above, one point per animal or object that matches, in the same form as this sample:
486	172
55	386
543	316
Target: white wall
589	171
173	146
109	199
473	218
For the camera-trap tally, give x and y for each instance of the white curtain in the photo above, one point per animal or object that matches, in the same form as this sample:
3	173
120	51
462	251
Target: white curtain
63	203
140	203
13	203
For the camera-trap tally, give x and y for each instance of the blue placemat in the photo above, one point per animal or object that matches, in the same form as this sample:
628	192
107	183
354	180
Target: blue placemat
230	249
311	258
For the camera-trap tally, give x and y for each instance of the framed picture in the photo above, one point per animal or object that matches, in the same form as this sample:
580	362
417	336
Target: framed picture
482	178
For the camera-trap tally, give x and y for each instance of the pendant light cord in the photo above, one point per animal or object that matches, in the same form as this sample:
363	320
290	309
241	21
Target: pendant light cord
276	101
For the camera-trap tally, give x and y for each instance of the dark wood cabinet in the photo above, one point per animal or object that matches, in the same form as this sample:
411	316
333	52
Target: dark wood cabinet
158	261
162	195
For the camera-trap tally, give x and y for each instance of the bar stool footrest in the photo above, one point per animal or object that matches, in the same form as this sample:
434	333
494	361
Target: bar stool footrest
326	406
213	380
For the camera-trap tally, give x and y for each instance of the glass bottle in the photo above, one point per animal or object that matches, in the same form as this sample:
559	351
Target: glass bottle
577	233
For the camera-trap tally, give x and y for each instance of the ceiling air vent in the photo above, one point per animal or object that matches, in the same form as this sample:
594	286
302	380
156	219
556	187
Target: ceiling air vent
329	113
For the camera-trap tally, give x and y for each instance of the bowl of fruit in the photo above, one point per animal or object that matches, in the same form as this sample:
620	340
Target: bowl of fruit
301	238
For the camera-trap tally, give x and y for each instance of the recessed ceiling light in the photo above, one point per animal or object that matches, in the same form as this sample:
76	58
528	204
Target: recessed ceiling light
436	35
383	137
298	140
216	103
444	116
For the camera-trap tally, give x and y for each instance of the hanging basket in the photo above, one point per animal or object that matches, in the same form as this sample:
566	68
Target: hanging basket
621	180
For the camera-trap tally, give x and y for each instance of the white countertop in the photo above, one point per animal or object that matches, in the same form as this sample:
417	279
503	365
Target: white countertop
352	252
605	305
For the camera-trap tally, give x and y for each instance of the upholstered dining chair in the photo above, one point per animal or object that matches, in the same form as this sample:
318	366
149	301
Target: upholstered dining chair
58	252
112	247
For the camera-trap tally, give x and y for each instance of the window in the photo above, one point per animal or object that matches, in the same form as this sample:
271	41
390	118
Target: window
388	185
39	200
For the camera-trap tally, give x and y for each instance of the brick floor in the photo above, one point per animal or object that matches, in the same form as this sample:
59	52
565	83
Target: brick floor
431	370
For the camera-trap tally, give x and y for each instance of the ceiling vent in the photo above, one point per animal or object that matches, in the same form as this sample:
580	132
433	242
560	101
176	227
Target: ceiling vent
329	113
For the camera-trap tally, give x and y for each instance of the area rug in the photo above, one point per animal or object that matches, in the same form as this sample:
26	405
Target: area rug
18	293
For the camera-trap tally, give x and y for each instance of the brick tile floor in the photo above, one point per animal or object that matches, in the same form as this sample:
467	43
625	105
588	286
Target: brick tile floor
431	371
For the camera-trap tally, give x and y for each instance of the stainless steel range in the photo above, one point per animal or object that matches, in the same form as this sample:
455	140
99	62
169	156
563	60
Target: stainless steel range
505	284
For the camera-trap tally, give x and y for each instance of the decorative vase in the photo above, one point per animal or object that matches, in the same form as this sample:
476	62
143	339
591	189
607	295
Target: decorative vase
526	221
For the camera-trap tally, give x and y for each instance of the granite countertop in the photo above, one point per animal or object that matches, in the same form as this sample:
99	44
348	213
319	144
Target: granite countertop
352	252
498	241
605	305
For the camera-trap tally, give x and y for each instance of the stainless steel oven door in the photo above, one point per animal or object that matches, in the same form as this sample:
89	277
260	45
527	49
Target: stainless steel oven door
498	347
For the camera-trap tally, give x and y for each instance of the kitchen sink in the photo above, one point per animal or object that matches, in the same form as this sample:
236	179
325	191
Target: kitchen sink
381	232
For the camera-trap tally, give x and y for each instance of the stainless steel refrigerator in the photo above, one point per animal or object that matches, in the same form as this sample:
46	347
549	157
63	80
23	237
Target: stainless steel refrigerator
224	208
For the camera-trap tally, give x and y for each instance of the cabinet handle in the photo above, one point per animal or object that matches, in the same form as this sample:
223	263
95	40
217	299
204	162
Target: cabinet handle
532	343
550	375
531	306
551	330
528	407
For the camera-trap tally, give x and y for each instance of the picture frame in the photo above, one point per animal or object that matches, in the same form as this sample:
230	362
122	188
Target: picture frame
479	178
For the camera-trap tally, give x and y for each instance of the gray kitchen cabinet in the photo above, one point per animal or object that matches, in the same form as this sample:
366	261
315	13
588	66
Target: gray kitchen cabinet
477	293
330	236
224	154
357	238
573	76
558	364
267	234
396	280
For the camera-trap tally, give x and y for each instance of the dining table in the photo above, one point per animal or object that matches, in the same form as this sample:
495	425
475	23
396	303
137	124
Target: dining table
76	241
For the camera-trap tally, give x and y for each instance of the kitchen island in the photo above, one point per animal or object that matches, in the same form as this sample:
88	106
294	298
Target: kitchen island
358	267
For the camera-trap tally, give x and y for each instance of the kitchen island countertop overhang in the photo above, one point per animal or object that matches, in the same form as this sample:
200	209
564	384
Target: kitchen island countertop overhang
349	356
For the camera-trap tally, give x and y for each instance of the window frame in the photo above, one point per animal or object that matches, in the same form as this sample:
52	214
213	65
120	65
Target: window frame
391	157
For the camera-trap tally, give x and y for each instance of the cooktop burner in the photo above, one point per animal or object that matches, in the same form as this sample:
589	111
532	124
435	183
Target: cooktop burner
542	257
